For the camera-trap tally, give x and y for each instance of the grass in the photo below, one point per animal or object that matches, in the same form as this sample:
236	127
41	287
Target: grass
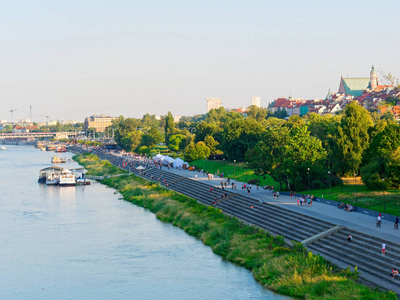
289	271
354	191
237	171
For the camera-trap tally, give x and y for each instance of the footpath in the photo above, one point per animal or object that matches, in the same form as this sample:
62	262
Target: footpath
354	220
322	228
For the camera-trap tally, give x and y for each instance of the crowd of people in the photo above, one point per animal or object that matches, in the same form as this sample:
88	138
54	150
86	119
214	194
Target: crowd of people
347	207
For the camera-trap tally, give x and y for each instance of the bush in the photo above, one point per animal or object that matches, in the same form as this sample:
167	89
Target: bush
254	181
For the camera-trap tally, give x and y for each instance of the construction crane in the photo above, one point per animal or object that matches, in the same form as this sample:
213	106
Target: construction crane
11	111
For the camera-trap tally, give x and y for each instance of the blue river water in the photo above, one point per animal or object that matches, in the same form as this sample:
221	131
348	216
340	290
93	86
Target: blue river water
87	243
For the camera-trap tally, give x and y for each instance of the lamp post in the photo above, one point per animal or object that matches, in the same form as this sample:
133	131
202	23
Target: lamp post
308	174
355	188
246	171
215	167
383	193
329	176
234	168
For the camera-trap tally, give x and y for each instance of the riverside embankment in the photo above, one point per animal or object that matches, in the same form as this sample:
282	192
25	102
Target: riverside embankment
287	270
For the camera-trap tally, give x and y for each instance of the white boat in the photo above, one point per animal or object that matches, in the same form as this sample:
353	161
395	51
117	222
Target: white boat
43	172
3	148
67	178
57	160
52	178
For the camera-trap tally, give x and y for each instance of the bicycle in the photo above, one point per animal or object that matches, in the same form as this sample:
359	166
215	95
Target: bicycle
396	226
378	224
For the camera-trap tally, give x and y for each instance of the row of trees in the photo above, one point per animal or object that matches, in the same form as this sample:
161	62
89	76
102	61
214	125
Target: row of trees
291	151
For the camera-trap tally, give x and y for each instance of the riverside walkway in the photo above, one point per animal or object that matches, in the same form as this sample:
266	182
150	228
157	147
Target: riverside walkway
357	221
323	228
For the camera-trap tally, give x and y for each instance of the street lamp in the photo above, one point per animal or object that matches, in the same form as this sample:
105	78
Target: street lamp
355	188
329	177
246	171
383	192
215	167
308	174
234	168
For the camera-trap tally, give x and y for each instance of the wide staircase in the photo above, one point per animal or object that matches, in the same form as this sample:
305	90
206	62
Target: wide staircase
364	251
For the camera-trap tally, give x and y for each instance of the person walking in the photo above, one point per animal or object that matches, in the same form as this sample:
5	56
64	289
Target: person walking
384	248
396	223
378	221
349	238
277	195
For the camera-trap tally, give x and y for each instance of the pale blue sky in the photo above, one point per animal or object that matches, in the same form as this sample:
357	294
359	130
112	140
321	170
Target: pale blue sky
70	59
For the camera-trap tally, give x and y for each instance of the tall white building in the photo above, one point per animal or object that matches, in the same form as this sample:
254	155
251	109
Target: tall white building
255	101
213	103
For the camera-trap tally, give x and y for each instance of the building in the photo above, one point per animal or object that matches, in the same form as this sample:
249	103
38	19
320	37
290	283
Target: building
98	122
213	103
355	86
177	119
256	101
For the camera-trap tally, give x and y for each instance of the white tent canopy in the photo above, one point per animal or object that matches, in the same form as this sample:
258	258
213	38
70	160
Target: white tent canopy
158	157
178	163
167	160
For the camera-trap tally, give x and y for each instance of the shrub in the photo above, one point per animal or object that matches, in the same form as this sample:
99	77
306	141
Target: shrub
254	181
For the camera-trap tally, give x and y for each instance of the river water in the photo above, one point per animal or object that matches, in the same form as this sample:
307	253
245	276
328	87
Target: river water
86	243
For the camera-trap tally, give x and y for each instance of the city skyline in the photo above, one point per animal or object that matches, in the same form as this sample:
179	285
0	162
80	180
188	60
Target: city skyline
72	60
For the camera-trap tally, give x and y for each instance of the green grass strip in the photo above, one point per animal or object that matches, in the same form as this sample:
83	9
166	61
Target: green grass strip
290	271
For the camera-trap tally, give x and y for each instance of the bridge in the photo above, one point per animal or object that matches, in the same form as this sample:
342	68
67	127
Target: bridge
28	135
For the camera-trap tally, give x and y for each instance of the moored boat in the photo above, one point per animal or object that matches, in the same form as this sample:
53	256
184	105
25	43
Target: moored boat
53	178
43	172
57	160
67	178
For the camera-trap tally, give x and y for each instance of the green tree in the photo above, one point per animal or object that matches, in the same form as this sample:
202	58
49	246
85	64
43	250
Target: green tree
131	141
175	142
196	151
169	127
386	140
383	172
211	143
257	113
352	138
240	135
152	137
204	129
266	157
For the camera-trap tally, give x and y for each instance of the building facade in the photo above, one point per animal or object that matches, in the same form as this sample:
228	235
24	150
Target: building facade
256	101
98	122
213	103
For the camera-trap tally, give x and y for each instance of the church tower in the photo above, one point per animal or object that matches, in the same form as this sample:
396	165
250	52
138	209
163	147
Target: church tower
373	82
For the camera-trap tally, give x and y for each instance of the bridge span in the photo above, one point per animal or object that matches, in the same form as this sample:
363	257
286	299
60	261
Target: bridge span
28	135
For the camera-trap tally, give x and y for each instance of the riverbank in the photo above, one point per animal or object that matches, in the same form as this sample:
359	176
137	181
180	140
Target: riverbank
288	271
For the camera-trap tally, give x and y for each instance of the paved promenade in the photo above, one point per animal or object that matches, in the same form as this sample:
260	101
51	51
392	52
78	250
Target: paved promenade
354	220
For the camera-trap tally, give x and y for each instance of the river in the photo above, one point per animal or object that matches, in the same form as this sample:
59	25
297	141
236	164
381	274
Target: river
87	243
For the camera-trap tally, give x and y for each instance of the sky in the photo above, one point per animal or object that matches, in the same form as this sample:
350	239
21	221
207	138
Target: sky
72	59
